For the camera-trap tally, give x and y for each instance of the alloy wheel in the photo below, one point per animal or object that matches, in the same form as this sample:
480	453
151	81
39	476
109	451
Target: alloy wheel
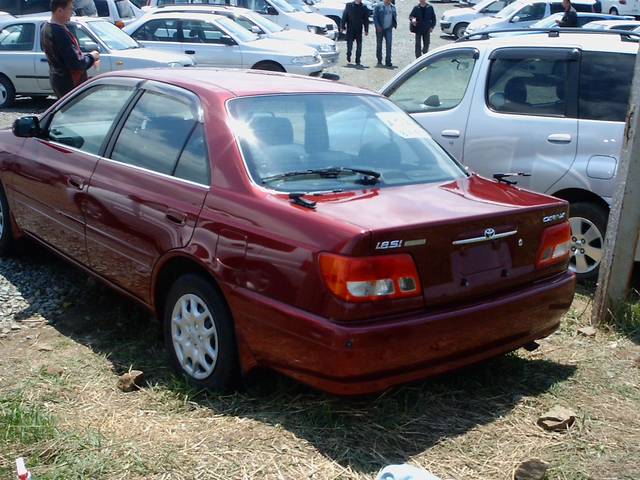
194	336
587	245
3	94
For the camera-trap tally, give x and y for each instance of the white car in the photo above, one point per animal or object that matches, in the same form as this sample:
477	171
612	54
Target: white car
613	25
621	7
213	40
523	13
24	69
265	28
120	12
456	20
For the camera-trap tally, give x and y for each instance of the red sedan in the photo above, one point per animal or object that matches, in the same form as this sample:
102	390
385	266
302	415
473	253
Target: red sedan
298	224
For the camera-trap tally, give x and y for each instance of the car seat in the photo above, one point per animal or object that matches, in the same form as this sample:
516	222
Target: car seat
275	150
515	95
196	34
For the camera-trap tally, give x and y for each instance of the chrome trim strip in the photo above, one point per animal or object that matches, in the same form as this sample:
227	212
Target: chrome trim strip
497	236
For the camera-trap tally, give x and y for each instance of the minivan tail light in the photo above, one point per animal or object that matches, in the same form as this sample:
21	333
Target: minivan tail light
367	279
555	246
119	24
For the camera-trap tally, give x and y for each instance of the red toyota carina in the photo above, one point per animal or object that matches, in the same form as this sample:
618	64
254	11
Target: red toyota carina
286	222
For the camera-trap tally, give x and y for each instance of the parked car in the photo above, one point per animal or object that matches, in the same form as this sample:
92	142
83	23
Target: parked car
455	21
265	28
24	69
523	13
550	106
583	19
120	12
614	24
621	7
217	41
279	11
297	224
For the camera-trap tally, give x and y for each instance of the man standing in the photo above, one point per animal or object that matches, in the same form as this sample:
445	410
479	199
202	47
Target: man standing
570	17
423	20
354	18
67	64
385	20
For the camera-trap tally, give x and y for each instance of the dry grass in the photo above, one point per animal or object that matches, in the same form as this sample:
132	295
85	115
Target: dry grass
475	424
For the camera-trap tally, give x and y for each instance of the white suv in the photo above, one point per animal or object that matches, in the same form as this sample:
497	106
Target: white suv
549	105
456	20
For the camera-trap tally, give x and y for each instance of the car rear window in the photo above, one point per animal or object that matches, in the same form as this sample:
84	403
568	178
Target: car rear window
280	135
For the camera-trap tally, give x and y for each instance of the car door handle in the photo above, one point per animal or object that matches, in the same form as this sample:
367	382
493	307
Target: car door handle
559	138
176	217
76	182
119	62
44	60
450	133
190	52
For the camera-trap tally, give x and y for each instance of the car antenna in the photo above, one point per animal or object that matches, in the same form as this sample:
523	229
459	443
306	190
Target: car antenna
296	197
502	177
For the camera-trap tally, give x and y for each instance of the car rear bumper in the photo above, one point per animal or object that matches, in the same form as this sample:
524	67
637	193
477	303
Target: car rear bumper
360	359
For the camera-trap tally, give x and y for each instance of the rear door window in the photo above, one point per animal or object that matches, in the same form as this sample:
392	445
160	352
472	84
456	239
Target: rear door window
155	133
161	30
605	85
193	164
531	13
102	8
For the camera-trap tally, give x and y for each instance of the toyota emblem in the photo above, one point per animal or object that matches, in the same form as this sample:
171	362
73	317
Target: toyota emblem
489	233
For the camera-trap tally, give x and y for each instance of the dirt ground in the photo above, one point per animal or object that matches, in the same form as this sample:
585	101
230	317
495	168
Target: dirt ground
60	407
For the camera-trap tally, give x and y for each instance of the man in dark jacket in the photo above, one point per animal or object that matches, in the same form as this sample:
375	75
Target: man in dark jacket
570	17
354	18
67	64
385	20
423	20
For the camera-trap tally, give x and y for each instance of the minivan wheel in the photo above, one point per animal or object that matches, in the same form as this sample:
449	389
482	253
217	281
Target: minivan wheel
7	92
199	333
460	30
6	232
588	227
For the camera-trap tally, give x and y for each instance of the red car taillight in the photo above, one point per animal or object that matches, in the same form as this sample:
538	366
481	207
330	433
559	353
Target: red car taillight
119	24
358	279
555	245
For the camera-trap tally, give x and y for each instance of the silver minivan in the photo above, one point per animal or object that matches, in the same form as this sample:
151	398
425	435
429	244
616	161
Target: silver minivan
549	105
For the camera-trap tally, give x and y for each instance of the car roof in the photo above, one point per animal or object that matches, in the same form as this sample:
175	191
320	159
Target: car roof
607	23
239	83
199	7
47	17
182	14
600	42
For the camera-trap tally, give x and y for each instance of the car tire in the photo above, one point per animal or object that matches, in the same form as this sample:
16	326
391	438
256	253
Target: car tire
588	228
269	66
201	347
613	11
460	30
7	92
7	241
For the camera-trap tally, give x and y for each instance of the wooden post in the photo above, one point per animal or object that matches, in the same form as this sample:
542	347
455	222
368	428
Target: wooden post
624	218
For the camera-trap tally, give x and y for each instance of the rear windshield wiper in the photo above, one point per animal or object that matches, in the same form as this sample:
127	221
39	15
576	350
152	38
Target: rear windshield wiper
371	176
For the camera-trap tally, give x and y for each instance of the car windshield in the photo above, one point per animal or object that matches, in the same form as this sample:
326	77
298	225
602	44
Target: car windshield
112	36
299	6
334	142
548	22
239	33
264	23
124	9
509	10
479	6
283	5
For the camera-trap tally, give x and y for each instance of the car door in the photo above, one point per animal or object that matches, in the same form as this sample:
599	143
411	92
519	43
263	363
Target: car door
17	56
160	34
209	45
523	118
144	199
50	188
438	92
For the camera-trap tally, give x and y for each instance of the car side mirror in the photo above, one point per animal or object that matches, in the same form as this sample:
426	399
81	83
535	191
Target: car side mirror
432	101
89	47
26	127
515	19
270	10
256	29
227	40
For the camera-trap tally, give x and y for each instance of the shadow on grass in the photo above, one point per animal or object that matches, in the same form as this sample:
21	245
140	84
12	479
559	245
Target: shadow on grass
363	434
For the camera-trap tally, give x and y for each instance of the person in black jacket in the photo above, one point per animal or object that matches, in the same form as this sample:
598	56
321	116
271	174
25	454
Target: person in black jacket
67	64
570	17
354	18
423	20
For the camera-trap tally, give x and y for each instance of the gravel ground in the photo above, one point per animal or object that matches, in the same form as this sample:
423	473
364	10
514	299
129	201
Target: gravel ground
35	287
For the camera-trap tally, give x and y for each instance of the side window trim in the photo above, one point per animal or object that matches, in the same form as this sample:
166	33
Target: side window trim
419	66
